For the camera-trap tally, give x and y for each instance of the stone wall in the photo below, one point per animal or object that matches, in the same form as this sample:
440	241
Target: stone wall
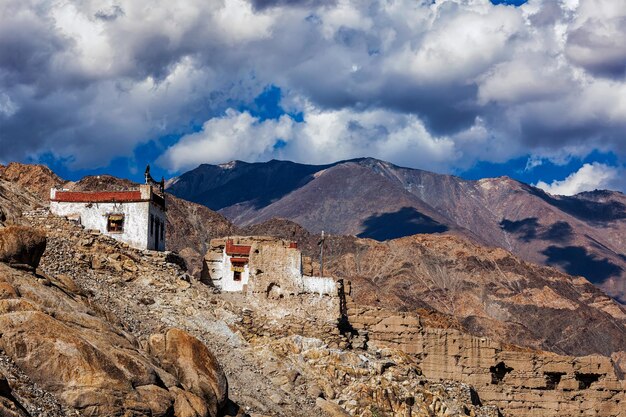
520	382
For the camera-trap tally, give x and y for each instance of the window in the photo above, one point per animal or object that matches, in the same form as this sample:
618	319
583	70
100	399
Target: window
162	230
236	276
115	223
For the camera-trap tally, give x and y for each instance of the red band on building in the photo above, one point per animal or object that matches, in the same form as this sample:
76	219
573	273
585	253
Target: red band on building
239	260
97	197
232	249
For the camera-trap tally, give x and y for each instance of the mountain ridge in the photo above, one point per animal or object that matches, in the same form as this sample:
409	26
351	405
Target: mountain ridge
366	197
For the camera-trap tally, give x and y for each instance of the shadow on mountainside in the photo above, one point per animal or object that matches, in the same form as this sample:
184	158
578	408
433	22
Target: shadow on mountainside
405	222
529	229
575	260
253	184
583	209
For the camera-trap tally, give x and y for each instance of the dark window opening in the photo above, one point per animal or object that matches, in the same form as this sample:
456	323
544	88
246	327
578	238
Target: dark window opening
115	223
553	379
162	230
585	380
237	276
156	235
498	372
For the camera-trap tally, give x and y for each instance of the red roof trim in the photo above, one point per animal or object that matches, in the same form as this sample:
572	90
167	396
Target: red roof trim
97	197
238	260
232	249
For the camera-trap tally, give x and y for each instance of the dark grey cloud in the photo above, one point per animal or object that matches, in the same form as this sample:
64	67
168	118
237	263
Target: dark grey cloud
264	4
595	39
28	47
110	13
601	52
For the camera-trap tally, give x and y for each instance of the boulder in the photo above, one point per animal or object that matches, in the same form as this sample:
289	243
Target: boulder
22	246
331	408
193	364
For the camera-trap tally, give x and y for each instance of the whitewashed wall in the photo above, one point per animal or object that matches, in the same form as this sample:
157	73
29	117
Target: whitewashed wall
227	281
94	216
319	285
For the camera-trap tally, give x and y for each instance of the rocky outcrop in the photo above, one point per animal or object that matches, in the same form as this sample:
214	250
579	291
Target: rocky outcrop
38	179
14	200
22	246
521	382
72	350
195	366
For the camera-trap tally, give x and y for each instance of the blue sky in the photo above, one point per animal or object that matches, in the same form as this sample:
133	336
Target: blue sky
535	90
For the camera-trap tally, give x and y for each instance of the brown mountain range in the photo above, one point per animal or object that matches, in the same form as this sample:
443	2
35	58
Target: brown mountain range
582	235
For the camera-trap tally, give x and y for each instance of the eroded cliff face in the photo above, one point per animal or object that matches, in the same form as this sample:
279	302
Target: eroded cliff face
521	382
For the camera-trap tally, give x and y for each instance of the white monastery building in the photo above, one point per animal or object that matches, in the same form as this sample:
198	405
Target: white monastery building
262	265
136	217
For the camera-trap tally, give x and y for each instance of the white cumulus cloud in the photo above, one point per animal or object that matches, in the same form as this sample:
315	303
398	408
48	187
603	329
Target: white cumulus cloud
589	177
322	136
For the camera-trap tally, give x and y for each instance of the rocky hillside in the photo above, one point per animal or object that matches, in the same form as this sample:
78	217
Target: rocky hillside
489	291
190	226
14	200
581	235
132	326
82	358
276	364
38	179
